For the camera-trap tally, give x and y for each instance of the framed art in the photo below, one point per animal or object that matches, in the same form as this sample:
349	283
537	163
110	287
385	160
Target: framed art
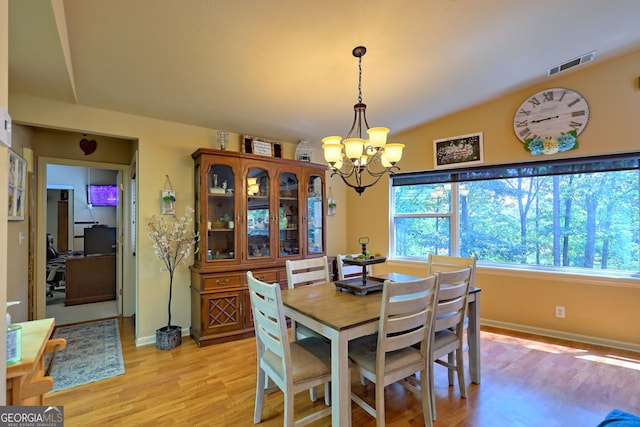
458	150
261	146
17	186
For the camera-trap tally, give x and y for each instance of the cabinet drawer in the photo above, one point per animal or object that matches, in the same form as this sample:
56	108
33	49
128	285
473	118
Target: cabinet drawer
268	276
223	280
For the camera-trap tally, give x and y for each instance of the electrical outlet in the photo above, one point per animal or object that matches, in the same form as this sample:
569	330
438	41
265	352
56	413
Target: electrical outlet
560	311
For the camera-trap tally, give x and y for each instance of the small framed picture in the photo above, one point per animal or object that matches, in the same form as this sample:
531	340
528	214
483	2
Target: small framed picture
463	150
17	187
261	146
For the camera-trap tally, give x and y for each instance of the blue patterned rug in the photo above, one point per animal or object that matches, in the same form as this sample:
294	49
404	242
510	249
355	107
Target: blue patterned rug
93	353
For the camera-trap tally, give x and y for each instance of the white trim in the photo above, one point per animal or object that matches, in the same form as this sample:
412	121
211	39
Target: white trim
572	278
59	187
622	345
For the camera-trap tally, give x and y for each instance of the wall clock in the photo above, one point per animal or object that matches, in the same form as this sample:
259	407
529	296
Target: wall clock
550	114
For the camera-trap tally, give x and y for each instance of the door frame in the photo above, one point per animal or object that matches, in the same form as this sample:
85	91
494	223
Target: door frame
125	283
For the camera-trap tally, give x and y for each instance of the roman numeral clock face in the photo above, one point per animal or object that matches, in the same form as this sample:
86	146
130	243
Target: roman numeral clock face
551	113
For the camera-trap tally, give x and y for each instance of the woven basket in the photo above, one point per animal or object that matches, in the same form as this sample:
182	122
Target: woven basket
166	339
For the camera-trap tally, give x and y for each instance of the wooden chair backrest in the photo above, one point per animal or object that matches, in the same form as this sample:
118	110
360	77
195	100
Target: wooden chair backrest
453	289
307	271
406	316
443	263
269	322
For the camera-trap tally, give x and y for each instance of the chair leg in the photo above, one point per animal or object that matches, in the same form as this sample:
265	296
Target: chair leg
432	389
380	404
327	394
288	408
260	386
313	394
425	395
460	369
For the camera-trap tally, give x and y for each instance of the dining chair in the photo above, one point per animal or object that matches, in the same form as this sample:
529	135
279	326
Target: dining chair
448	328
406	318
308	272
293	366
444	263
346	271
439	263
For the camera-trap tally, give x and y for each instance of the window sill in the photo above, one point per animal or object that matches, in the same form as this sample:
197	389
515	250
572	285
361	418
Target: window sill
575	276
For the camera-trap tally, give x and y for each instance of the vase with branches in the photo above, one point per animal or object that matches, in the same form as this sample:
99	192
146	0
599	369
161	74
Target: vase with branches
173	241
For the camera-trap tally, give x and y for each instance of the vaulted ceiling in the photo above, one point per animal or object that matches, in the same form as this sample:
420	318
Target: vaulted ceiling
283	69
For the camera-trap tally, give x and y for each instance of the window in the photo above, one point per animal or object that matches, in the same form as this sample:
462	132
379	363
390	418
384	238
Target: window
568	213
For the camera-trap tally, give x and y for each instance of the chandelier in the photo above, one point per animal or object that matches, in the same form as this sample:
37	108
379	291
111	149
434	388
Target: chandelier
358	161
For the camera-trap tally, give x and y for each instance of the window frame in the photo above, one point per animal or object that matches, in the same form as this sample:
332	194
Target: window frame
455	177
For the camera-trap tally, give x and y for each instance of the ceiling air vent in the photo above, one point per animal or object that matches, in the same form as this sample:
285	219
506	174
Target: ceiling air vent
572	63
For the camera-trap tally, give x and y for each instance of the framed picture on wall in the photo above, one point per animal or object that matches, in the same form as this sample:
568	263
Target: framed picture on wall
17	186
460	150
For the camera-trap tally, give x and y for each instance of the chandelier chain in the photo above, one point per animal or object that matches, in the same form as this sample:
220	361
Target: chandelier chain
360	79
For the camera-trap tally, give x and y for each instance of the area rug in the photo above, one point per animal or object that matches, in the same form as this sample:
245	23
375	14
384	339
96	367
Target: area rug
93	353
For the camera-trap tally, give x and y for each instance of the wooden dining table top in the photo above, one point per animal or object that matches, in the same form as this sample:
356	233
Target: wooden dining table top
333	307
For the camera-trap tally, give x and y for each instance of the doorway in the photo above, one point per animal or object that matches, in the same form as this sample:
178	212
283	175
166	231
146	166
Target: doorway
114	216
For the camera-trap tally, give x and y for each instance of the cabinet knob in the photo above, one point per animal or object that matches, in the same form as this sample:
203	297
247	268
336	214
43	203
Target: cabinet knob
222	282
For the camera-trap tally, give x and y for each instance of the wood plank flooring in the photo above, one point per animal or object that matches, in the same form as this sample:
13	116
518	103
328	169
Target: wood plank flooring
526	381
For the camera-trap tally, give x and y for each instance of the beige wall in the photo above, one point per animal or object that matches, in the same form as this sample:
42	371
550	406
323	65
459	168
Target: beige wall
164	148
18	244
603	309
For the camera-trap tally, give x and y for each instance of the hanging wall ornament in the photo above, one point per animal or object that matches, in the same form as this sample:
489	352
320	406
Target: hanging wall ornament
88	146
168	198
331	204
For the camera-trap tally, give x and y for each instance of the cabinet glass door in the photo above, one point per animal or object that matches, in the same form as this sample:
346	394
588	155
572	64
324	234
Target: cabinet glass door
315	215
220	214
289	233
258	214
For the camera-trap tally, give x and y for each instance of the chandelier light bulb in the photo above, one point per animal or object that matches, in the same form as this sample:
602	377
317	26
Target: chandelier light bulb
353	148
377	136
384	161
332	152
393	152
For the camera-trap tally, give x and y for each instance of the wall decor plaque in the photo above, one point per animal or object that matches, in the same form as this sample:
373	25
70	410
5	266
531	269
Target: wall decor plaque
261	146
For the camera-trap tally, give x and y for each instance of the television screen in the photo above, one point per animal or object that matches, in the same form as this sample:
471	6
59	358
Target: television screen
102	195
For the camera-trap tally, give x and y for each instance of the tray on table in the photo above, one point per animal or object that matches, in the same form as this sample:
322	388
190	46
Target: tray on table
364	261
356	286
361	285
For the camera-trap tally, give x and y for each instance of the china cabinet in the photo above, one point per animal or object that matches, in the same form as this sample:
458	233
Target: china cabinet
252	214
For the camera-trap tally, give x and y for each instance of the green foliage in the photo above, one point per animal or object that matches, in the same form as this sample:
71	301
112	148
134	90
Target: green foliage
579	221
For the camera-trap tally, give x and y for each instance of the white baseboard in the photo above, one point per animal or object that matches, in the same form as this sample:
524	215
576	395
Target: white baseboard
622	345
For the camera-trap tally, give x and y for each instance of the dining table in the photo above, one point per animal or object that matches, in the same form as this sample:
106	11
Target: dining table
342	316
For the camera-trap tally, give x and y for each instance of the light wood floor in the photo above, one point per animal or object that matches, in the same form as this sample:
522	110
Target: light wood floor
526	381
